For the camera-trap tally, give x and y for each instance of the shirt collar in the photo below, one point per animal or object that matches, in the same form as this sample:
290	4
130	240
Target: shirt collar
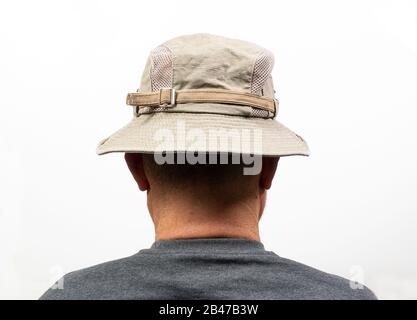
208	245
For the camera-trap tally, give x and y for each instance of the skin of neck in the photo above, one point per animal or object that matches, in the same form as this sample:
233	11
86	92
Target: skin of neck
200	211
187	216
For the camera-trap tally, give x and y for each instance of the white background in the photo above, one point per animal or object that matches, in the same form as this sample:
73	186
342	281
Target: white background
346	76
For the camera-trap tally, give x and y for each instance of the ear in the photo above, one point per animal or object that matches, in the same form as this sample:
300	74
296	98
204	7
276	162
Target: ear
135	164
269	166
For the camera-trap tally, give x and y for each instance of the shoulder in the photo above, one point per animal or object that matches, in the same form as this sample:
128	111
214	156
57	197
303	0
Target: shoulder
92	282
316	284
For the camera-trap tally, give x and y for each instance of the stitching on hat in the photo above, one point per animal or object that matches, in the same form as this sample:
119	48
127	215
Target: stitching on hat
103	141
299	137
262	69
161	68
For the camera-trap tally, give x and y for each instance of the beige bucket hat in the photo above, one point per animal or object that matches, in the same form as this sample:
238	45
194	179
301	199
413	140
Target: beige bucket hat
206	93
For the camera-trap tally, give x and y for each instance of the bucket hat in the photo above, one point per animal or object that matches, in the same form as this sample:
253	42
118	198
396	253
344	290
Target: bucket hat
206	93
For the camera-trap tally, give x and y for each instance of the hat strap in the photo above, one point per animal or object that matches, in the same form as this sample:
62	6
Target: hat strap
169	97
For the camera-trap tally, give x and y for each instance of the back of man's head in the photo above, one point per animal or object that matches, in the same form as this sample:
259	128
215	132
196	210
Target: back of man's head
215	181
207	182
218	195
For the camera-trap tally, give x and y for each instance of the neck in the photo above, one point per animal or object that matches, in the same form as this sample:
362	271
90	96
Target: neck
194	219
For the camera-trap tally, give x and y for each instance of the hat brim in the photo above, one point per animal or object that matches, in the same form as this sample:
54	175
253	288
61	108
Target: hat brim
182	132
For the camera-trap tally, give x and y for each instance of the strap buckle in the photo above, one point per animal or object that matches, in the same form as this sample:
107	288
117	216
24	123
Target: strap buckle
172	97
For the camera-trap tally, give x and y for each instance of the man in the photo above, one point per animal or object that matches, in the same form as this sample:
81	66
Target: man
204	145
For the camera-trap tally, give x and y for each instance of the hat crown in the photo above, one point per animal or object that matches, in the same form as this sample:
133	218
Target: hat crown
205	61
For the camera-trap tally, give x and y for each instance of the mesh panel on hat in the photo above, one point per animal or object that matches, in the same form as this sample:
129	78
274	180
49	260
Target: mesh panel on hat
162	69
261	71
259	113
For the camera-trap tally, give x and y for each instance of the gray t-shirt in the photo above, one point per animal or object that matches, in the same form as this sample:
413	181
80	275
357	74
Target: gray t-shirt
216	268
